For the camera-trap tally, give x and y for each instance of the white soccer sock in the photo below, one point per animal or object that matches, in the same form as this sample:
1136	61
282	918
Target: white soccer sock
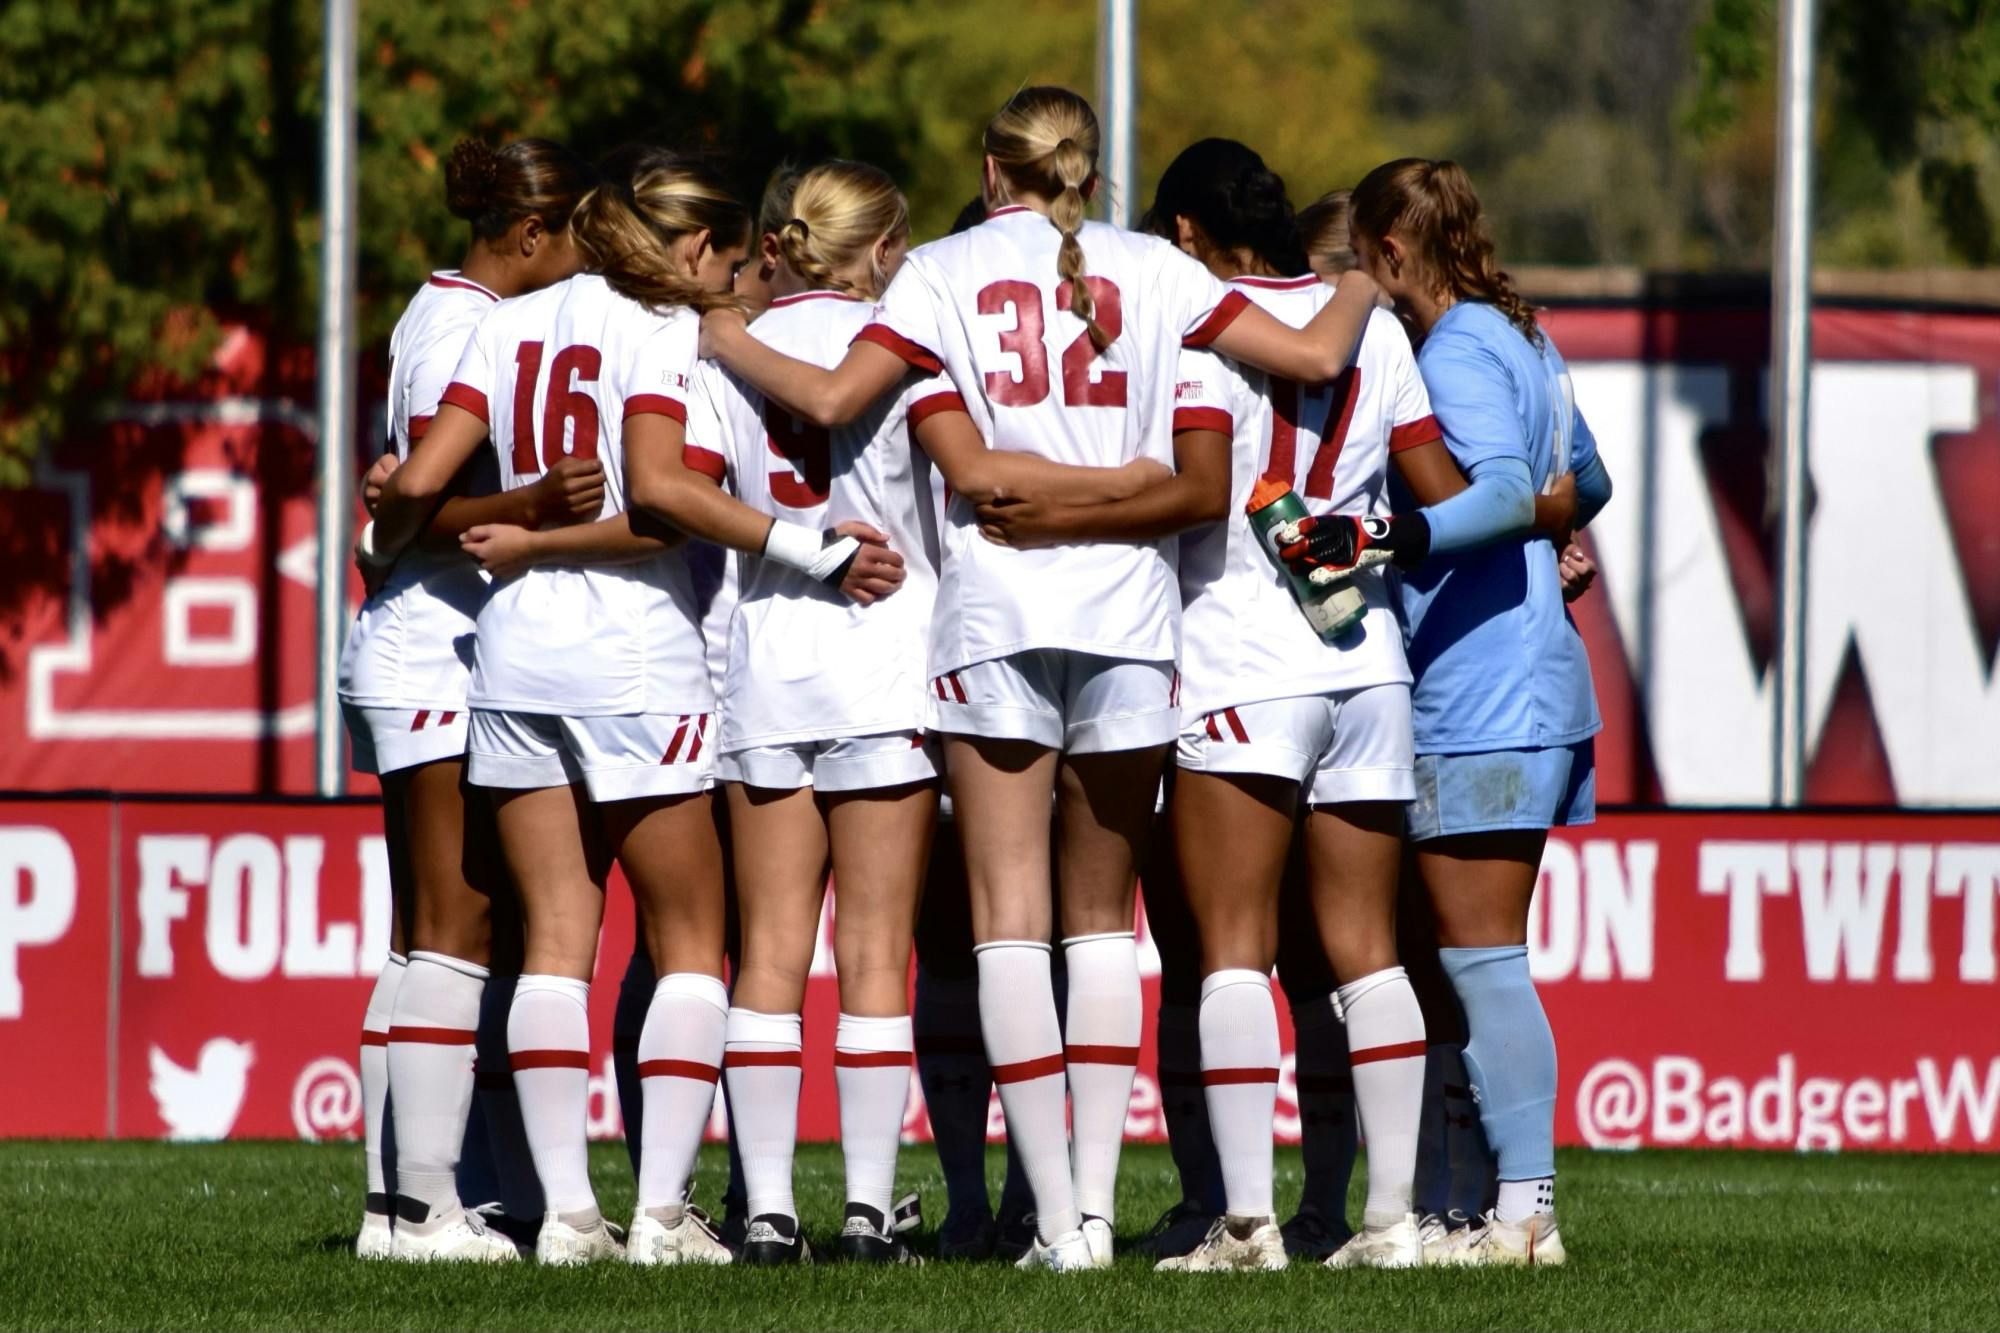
871	1065
951	1063
628	1020
1017	1014
1521	1199
432	1036
493	1076
1239	1075
1106	1017
548	1045
374	1062
1385	1043
1326	1105
680	1059
762	1064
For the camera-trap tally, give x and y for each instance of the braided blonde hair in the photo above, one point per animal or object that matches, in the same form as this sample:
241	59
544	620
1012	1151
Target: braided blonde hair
1044	142
840	210
627	229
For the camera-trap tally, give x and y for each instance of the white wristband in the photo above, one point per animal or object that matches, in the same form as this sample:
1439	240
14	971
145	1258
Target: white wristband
364	549
819	555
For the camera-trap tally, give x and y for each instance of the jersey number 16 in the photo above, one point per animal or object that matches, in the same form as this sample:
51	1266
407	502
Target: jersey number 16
567	406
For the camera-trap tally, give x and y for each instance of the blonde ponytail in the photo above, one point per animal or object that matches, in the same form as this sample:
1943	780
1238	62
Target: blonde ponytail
1044	142
627	230
840	212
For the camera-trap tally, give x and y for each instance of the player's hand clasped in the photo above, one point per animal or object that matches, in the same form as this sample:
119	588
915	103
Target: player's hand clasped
501	549
572	491
1332	547
850	556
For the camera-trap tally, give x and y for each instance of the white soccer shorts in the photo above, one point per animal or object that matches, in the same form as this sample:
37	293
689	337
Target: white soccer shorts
387	740
616	758
1079	703
844	763
1353	745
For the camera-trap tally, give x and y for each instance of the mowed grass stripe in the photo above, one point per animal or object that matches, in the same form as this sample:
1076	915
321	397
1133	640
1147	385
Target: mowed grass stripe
251	1236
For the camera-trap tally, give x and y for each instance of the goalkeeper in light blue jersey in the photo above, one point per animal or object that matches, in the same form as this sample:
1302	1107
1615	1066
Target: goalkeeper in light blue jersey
1503	706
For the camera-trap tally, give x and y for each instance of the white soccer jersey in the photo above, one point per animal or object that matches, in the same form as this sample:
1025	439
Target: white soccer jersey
986	307
1246	639
558	372
806	663
411	644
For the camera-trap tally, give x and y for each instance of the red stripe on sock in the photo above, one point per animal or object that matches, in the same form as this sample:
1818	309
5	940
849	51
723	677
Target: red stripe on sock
762	1059
871	1059
1102	1055
370	1037
693	1069
520	1060
1402	1050
1216	1078
1027	1069
433	1036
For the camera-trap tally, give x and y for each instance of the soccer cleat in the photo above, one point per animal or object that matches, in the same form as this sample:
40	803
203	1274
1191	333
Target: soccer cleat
1067	1253
1179	1230
866	1237
968	1232
773	1239
1311	1234
681	1235
1441	1234
1397	1245
1234	1245
562	1245
463	1238
376	1238
1016	1234
1097	1235
1533	1242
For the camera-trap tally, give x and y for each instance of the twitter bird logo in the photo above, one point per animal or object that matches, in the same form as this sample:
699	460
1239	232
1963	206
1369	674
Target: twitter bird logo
201	1103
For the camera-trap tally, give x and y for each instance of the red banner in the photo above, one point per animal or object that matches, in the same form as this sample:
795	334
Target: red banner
156	629
1811	981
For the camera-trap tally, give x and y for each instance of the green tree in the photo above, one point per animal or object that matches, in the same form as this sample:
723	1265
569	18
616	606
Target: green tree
160	161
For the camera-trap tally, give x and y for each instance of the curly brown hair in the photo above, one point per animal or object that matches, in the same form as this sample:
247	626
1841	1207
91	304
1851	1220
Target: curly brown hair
1433	206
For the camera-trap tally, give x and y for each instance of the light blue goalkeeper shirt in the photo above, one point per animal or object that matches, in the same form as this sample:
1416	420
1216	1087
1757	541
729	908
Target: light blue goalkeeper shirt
1498	664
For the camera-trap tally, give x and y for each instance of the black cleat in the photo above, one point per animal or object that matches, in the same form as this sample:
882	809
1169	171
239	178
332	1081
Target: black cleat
1311	1234
968	1233
867	1238
1016	1234
772	1239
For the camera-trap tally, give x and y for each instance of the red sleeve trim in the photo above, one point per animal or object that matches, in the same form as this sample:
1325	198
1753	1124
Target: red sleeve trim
1413	433
1225	313
466	399
883	336
655	404
705	461
945	400
1203	418
418	425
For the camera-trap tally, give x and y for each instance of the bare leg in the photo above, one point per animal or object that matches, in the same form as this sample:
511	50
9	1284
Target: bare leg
781	860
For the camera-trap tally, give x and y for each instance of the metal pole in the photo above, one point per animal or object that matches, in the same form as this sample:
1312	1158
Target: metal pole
336	387
1118	106
1791	368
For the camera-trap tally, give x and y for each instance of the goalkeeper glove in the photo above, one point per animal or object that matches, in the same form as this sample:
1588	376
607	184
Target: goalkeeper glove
1332	548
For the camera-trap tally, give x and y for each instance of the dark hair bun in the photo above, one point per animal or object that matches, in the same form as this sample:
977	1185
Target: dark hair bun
471	177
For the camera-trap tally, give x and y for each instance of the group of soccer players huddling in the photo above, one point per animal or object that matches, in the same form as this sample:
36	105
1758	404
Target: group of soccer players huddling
982	577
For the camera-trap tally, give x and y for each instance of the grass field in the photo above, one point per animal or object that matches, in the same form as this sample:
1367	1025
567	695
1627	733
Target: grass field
132	1235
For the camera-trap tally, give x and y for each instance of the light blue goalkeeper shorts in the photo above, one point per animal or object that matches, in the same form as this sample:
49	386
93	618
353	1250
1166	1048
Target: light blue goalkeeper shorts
1504	789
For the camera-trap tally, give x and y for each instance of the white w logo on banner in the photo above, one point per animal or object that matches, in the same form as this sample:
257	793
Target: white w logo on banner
1884	578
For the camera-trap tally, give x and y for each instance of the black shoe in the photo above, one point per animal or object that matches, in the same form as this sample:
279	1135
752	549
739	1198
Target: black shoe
773	1238
1311	1234
1180	1229
866	1237
1016	1235
968	1233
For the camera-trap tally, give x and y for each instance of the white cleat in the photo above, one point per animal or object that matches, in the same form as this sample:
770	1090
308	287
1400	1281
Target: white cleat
1067	1253
683	1236
1398	1245
1234	1245
377	1237
1097	1235
461	1239
1442	1236
561	1245
1532	1242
